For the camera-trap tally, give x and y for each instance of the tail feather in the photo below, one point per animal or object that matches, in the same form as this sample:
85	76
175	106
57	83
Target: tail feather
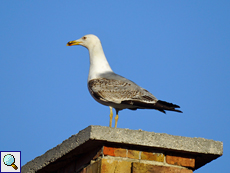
162	106
159	105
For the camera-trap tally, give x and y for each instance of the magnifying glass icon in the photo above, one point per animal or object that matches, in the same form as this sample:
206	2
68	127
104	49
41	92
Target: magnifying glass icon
9	160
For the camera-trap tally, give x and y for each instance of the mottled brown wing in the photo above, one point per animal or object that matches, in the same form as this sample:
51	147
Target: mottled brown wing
117	91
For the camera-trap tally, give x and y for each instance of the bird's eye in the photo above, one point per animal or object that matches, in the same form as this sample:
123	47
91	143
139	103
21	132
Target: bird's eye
84	38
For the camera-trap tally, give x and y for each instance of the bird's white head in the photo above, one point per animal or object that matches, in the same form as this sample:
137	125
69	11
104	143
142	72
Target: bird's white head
98	61
89	41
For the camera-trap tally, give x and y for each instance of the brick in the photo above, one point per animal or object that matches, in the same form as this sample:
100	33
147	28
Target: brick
152	156
181	161
133	154
108	151
120	152
115	166
147	168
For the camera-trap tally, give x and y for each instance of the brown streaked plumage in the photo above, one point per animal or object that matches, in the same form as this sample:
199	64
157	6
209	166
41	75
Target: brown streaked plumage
121	93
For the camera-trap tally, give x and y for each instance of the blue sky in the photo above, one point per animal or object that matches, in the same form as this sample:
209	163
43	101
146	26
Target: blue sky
178	50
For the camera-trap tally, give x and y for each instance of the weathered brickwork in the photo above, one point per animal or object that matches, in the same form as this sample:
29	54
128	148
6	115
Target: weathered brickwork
120	152
133	154
181	161
108	165
152	156
109	160
147	168
115	166
108	151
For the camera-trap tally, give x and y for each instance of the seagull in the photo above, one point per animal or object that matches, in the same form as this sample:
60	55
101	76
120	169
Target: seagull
113	90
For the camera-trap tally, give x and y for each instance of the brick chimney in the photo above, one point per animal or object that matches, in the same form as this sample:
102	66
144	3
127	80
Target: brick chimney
98	149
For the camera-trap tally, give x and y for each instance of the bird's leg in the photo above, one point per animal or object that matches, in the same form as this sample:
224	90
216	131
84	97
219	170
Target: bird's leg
111	116
116	118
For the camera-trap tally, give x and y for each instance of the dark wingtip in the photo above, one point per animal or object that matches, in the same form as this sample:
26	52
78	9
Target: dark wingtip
177	110
167	106
161	110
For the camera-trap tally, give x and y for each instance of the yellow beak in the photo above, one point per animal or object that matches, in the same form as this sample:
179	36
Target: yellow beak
71	43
